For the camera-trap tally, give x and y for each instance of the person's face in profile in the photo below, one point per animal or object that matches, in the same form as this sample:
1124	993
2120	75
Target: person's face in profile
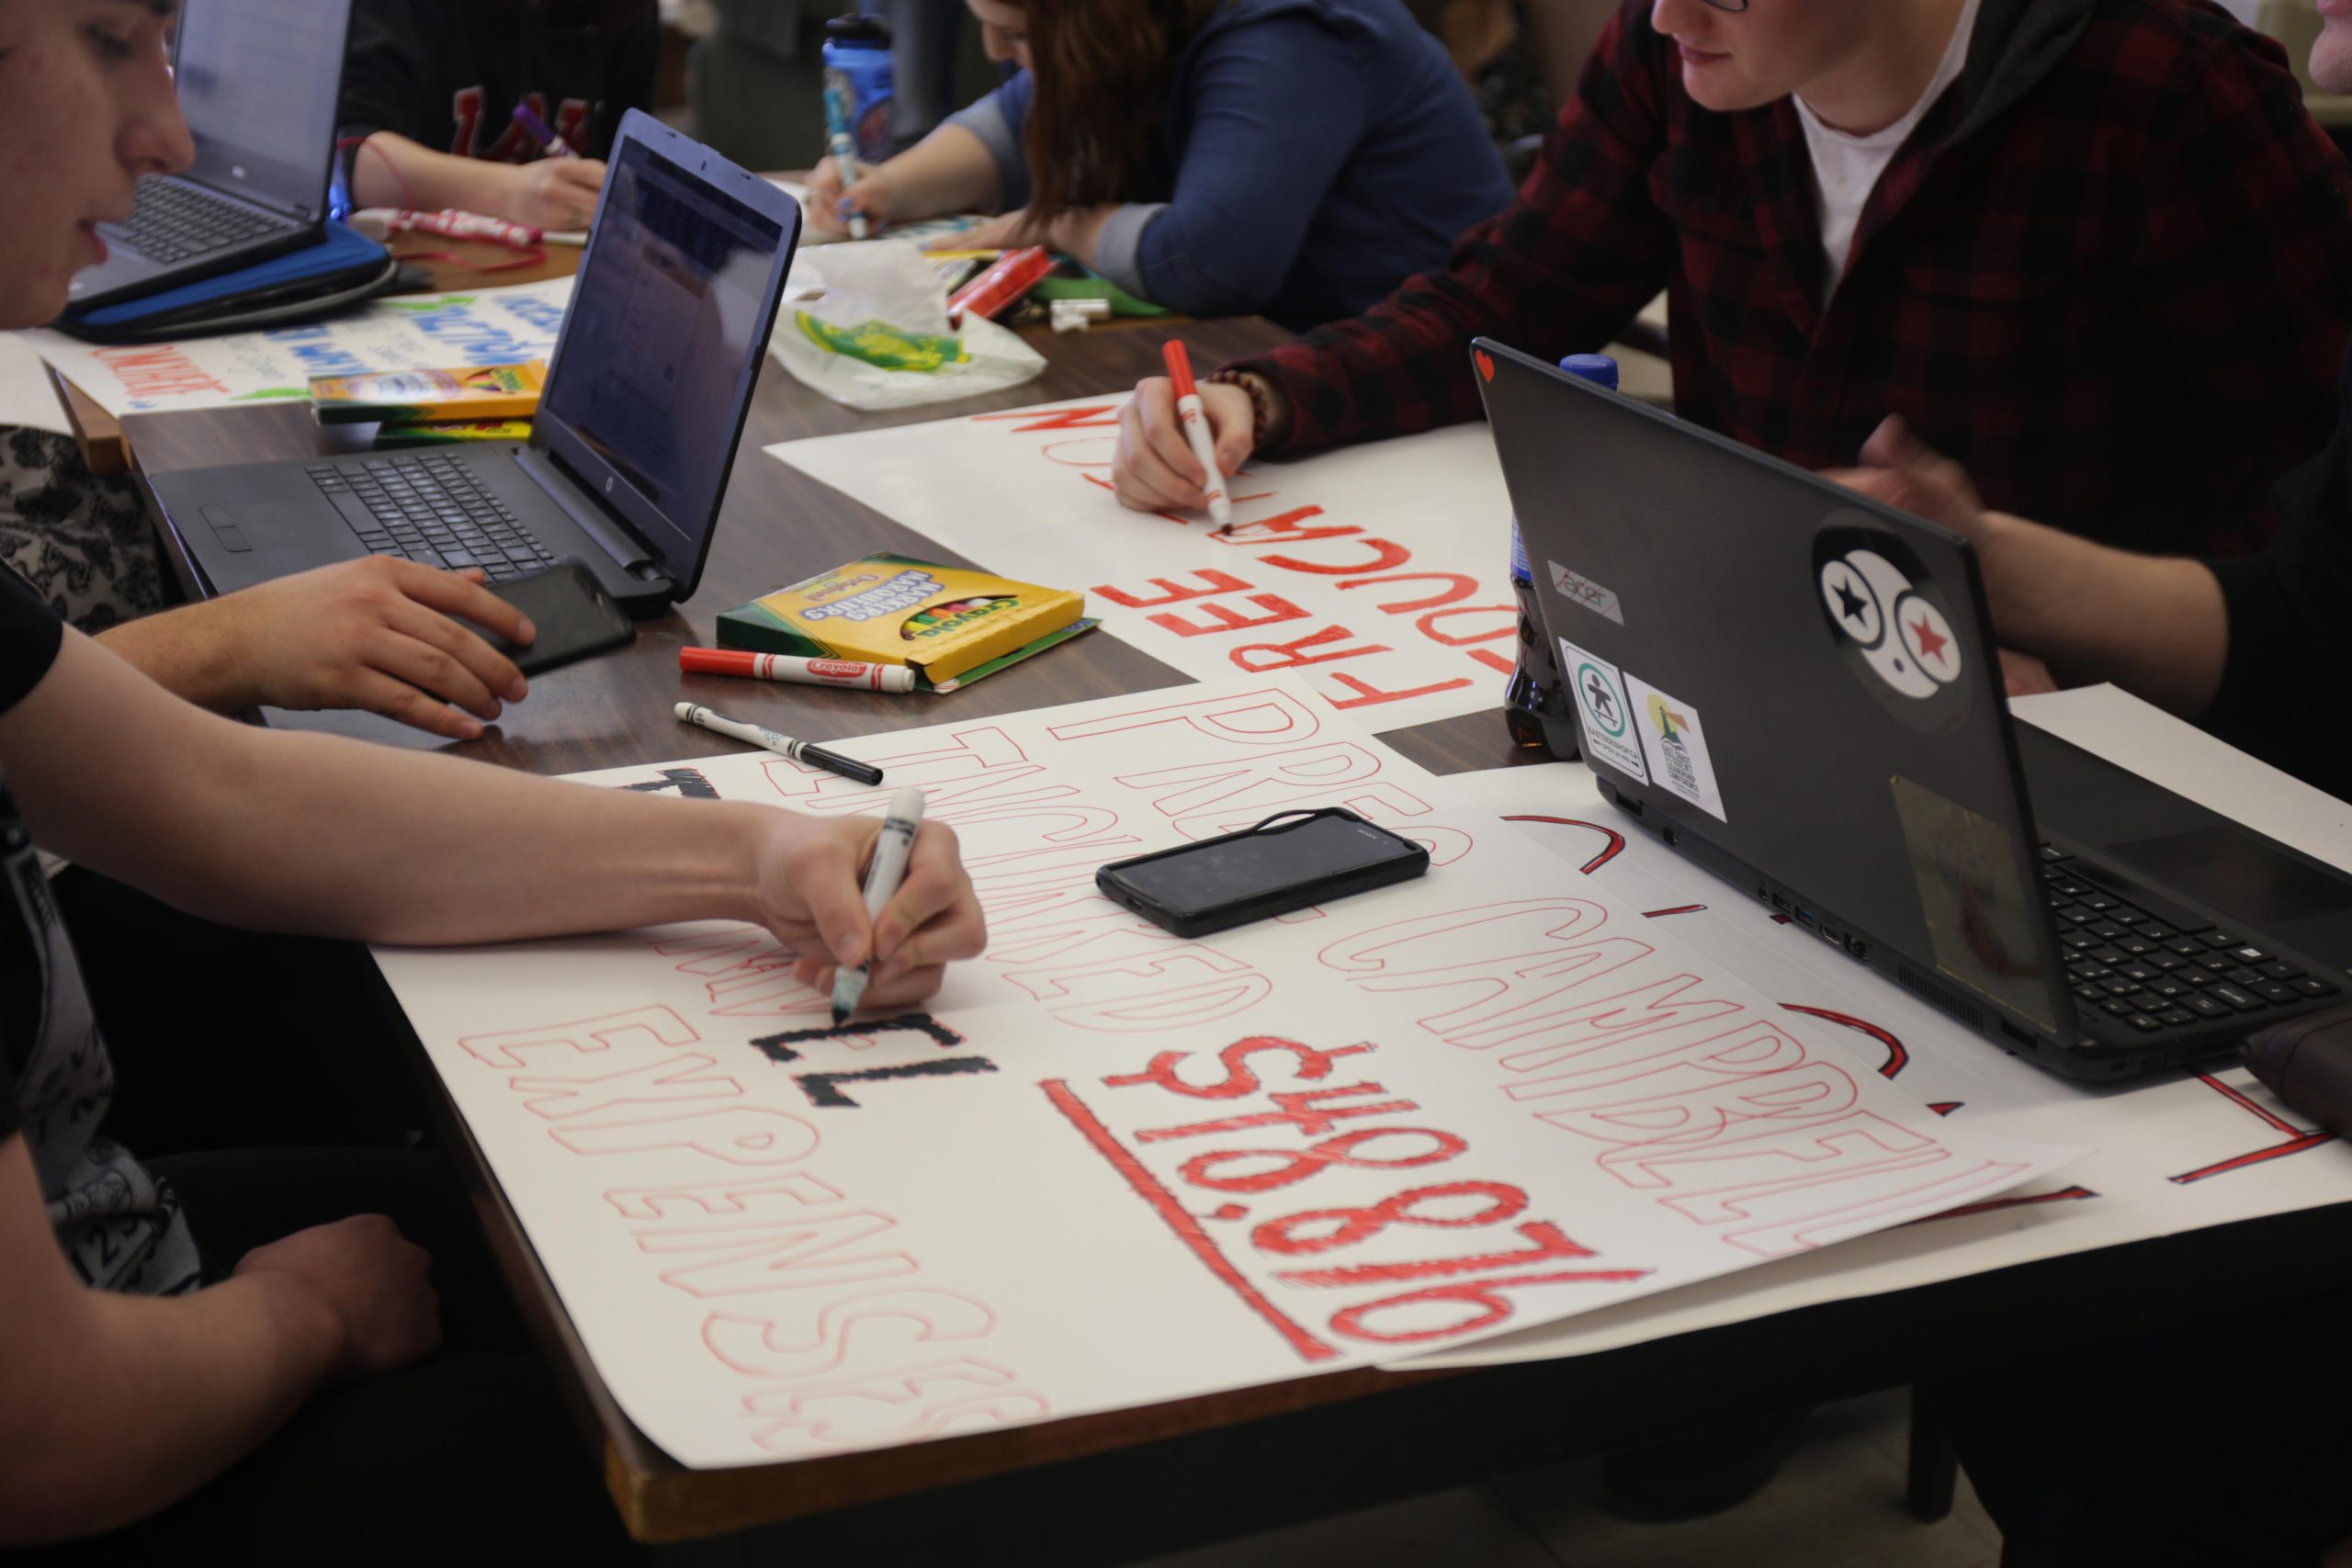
2332	51
1004	30
1743	60
86	108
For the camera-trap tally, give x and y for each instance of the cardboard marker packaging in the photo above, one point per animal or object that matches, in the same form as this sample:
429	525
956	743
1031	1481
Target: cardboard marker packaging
950	627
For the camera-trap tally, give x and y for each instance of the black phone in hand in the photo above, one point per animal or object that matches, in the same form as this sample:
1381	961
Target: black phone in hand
574	618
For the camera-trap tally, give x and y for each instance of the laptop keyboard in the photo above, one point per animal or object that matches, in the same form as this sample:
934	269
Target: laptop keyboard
170	221
2155	969
429	507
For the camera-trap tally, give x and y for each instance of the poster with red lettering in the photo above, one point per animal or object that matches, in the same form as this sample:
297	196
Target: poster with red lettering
1107	1166
2173	1152
1379	575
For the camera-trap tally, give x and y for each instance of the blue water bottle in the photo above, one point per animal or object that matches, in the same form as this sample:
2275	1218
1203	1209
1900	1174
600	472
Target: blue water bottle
1536	706
859	85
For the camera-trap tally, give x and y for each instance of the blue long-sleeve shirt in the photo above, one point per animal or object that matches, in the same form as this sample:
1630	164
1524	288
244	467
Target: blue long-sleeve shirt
1320	152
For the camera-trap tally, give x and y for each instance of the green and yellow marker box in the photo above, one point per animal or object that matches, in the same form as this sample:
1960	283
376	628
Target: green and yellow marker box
950	627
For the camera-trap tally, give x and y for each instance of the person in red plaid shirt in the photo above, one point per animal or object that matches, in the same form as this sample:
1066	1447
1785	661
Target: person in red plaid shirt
2101	267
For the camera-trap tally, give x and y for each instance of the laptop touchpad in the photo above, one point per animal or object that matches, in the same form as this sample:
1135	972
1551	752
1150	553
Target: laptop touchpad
2235	873
225	529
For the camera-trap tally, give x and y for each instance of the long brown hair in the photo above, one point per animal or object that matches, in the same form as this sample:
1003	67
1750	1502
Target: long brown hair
1101	69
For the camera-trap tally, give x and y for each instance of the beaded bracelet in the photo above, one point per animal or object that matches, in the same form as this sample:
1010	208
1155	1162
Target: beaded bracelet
1261	410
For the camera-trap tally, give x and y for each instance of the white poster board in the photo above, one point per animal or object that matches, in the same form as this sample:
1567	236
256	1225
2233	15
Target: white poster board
2174	1151
1378	574
29	398
1109	1167
484	326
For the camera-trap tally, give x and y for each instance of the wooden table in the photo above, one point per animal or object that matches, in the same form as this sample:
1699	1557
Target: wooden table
1113	1487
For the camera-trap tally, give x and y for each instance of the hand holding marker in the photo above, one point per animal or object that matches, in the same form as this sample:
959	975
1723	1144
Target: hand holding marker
1196	430
538	130
882	879
782	745
843	148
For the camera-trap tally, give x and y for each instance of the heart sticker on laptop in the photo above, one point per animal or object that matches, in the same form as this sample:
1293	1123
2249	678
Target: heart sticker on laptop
1486	363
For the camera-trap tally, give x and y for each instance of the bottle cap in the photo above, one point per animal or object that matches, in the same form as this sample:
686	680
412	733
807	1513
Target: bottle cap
1595	367
869	31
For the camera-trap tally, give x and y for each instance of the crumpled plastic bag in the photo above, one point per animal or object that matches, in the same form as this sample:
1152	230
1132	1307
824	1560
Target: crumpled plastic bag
866	325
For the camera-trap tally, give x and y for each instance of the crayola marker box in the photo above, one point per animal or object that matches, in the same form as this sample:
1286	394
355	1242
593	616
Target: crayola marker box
949	625
430	397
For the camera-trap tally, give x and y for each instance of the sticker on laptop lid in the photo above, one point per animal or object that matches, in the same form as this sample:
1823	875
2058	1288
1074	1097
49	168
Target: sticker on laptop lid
1579	589
1985	928
1606	709
1895	624
1674	743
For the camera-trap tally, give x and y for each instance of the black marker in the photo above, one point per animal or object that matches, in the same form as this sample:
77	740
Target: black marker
782	745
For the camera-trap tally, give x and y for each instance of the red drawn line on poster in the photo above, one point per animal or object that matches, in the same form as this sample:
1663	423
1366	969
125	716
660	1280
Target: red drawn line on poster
2064	1195
1089	418
1616	839
1897	1057
1180	1220
2297	1139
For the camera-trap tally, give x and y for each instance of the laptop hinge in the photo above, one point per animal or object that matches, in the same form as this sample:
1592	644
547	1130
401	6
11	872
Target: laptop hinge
552	476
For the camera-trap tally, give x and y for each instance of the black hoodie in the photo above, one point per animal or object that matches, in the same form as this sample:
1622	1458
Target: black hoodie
447	73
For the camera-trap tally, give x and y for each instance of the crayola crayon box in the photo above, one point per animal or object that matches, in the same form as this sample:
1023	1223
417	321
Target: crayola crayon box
950	627
430	397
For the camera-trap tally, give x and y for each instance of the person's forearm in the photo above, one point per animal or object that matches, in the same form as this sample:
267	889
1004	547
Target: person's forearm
150	1397
389	170
117	1405
947	172
2155	626
486	855
190	651
1079	232
288	831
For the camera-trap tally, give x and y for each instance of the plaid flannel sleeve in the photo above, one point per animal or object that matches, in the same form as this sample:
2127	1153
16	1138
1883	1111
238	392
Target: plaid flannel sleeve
1561	270
2247	223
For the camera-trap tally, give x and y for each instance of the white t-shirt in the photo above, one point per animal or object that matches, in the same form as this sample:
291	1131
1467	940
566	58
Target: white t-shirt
1845	169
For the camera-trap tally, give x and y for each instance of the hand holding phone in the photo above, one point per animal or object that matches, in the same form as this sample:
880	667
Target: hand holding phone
575	619
1288	862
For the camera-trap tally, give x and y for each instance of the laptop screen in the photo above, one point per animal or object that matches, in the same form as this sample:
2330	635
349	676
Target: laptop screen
257	81
666	330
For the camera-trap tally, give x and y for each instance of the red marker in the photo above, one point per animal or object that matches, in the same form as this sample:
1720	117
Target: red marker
1196	429
1011	274
804	672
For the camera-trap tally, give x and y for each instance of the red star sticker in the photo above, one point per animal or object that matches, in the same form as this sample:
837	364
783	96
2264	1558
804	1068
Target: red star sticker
1930	645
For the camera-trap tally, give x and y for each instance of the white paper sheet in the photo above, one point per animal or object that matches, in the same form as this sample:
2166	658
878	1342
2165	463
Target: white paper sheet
28	397
1109	1166
484	326
2133	734
1379	574
2174	1153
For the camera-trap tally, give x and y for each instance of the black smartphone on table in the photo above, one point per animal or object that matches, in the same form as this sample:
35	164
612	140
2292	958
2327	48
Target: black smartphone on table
1288	862
574	618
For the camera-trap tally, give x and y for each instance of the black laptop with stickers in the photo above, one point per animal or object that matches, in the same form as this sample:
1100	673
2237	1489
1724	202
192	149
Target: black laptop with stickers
1798	689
